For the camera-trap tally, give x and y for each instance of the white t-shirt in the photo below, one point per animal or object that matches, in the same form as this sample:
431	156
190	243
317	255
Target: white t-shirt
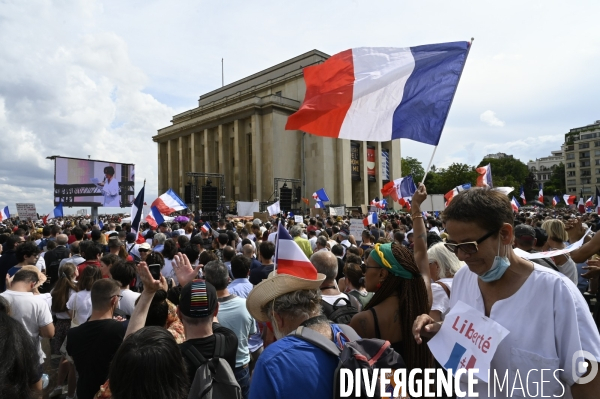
569	269
313	243
65	315
127	303
548	320
32	311
80	305
441	301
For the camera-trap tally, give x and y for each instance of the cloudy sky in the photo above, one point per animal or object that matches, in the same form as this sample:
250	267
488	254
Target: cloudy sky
98	78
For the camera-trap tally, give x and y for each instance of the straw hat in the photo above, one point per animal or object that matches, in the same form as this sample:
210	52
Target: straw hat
275	286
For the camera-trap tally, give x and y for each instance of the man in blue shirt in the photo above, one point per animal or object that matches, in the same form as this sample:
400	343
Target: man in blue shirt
240	268
290	367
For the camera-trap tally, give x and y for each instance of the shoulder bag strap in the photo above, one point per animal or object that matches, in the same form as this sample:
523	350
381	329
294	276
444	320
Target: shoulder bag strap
445	287
316	339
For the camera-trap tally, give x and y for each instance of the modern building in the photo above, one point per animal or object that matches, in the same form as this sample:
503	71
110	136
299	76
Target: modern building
582	159
498	155
238	131
542	167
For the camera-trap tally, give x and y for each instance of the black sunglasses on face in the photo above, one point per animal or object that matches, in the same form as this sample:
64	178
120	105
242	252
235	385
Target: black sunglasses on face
470	247
364	267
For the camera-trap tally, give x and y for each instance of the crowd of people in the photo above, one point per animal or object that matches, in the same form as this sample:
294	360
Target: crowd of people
102	312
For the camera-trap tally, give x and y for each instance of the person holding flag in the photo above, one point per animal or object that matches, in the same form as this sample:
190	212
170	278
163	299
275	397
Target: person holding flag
523	196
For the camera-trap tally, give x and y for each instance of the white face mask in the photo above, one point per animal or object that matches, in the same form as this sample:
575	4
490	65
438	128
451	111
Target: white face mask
501	263
278	334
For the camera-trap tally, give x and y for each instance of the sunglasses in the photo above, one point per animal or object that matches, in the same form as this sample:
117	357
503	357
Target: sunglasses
364	267
470	247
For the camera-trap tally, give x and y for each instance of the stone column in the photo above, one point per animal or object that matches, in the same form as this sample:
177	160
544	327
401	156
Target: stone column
180	150
206	154
235	173
193	153
257	156
160	174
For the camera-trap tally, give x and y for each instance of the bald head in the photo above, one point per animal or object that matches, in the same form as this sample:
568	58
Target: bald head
62	239
248	250
325	262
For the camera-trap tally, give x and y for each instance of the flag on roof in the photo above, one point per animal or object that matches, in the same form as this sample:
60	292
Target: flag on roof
168	203
382	93
57	212
136	211
320	195
569	199
523	196
370	219
515	204
289	258
454	192
4	213
485	176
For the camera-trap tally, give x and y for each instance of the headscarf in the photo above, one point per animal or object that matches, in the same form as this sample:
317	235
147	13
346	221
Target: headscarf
382	254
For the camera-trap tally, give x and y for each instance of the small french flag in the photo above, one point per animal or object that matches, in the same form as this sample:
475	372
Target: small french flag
454	192
569	199
4	213
168	203
523	196
371	219
555	200
154	218
205	227
515	204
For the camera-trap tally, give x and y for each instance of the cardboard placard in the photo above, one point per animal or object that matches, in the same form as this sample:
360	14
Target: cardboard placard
27	211
298	219
262	216
337	210
356	229
318	212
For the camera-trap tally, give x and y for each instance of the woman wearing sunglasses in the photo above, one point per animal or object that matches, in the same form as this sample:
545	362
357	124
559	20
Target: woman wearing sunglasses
548	319
401	285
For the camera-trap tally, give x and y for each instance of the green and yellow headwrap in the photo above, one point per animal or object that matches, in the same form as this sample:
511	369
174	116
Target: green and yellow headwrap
382	254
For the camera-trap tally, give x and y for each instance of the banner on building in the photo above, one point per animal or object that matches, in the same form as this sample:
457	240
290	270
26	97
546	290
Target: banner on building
247	208
371	163
355	160
385	165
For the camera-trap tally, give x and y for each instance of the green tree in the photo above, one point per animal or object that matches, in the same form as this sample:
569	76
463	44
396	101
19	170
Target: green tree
454	175
557	184
412	166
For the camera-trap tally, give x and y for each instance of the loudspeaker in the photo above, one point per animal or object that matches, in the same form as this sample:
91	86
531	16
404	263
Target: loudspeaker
298	194
188	194
285	198
209	199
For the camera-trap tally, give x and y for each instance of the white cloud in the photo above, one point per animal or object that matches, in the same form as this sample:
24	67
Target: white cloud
490	118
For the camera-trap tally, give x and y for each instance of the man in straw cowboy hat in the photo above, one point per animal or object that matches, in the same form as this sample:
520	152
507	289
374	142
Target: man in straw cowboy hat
289	298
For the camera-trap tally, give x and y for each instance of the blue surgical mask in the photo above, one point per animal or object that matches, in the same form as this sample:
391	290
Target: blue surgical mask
501	263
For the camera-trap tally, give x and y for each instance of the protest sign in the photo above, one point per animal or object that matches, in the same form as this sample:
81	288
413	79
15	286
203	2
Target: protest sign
27	211
247	208
364	209
337	210
356	229
467	340
549	254
298	219
318	212
263	217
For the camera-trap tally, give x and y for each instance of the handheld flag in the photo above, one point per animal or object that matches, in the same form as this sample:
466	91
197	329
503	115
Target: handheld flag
569	199
136	211
370	219
289	258
305	200
56	213
590	202
581	205
154	217
168	203
405	203
320	195
381	94
274	209
206	227
515	204
4	214
485	176
403	187
541	196
523	196
320	204
555	201
454	192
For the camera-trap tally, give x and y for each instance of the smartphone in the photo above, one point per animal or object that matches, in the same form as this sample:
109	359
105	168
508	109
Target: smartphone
155	271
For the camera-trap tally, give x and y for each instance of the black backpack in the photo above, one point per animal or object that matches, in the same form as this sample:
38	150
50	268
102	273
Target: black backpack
339	313
365	354
53	259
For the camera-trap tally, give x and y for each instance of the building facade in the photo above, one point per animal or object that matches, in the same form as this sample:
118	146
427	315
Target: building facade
498	155
238	131
542	167
582	159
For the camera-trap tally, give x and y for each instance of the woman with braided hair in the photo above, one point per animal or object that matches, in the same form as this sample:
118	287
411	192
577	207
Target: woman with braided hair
402	291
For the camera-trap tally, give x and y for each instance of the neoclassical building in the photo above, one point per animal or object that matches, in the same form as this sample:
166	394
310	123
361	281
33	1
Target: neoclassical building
239	131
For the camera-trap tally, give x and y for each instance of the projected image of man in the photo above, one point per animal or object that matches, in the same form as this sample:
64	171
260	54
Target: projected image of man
110	187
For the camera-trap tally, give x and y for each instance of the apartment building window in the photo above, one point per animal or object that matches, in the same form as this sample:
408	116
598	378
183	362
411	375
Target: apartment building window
597	153
572	164
571	156
586	181
571	174
597	179
584	145
586	172
583	164
588	136
584	154
571	189
587	190
596	143
572	181
597	161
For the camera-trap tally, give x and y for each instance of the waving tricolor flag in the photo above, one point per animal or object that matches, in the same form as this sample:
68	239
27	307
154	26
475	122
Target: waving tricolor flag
541	195
581	205
401	188
454	192
289	258
523	196
485	176
379	203
370	219
136	211
56	213
590	202
515	204
154	217
555	201
382	93
320	195
4	213
168	203
569	199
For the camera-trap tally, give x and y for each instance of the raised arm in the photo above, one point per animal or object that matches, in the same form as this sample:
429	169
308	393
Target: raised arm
140	312
420	237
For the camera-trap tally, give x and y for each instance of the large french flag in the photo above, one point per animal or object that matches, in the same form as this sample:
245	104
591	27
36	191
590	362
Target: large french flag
382	93
371	219
289	258
168	203
154	217
4	213
136	211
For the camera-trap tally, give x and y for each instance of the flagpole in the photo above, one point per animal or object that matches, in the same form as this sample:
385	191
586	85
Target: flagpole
450	106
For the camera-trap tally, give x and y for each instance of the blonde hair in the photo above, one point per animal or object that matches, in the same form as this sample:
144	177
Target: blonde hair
556	230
